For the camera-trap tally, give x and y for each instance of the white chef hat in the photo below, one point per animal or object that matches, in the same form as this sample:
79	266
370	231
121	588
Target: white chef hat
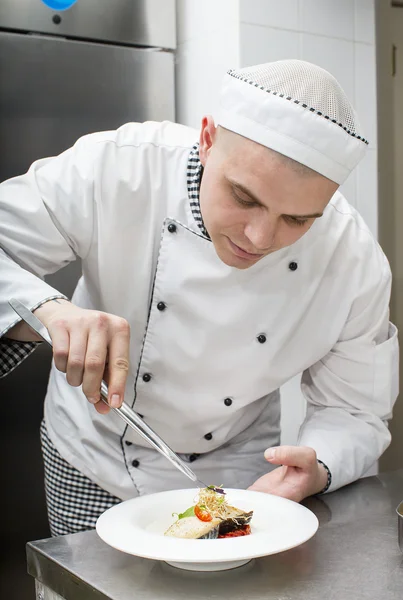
297	109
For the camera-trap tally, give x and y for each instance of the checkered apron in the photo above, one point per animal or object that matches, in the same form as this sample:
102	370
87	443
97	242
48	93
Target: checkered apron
73	501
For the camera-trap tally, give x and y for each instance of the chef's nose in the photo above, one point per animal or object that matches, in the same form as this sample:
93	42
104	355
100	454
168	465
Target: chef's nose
261	233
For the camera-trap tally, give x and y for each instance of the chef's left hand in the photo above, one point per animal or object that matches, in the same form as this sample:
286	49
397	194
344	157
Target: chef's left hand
300	475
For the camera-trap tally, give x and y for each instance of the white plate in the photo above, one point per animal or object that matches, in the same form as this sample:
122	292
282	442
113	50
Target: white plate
137	527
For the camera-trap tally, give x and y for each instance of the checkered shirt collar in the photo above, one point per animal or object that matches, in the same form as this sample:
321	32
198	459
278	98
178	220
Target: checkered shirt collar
194	175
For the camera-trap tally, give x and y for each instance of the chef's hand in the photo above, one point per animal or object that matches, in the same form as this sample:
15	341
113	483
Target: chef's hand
89	345
299	476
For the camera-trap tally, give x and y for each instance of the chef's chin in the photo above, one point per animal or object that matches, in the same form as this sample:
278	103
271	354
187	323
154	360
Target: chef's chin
230	259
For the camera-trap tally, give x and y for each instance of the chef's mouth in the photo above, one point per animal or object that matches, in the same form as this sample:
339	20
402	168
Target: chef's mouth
238	251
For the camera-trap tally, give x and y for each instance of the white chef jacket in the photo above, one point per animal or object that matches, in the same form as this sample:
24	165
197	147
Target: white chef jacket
205	371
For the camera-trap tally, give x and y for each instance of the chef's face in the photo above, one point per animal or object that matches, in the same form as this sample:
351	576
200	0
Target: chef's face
253	201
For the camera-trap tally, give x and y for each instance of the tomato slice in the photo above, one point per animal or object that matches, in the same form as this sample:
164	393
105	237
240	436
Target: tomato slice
202	513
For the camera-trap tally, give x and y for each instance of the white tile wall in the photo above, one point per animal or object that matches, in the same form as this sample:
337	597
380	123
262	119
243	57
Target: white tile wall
331	18
265	44
200	66
283	14
196	19
365	90
207	46
334	55
364	21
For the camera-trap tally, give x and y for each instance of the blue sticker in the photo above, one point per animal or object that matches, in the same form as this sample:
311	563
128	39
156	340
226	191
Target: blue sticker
59	4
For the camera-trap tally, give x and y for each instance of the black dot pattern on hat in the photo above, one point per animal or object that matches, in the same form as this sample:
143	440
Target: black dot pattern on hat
348	129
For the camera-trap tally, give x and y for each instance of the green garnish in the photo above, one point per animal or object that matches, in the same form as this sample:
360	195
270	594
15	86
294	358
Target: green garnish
189	512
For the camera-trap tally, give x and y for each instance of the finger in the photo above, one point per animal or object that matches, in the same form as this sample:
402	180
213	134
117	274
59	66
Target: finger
270	481
102	408
118	366
292	456
77	351
61	343
261	485
94	365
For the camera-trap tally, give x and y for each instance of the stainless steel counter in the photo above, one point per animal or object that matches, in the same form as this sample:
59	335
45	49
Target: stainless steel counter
354	555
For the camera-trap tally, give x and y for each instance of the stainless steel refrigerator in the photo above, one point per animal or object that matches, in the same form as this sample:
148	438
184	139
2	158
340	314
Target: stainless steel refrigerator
65	73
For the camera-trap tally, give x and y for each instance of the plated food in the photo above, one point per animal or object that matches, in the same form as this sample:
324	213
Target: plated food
137	526
210	517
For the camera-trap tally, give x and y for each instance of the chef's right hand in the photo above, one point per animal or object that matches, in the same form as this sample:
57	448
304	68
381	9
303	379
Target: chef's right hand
89	345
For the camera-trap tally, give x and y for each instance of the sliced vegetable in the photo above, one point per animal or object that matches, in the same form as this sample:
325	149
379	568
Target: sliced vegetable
202	513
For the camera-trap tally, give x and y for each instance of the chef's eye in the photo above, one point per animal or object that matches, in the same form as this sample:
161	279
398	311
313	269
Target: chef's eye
295	221
241	201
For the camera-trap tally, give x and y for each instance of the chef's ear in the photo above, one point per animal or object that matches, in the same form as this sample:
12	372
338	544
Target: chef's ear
208	134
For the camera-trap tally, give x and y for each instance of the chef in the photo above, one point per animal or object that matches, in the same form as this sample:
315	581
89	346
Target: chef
216	265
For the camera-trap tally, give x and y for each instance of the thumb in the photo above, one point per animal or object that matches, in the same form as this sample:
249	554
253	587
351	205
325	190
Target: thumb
291	456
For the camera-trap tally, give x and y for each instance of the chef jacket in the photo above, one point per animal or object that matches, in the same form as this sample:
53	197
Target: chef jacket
210	344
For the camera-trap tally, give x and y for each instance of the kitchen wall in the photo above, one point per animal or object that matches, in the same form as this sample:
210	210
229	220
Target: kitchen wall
207	46
215	35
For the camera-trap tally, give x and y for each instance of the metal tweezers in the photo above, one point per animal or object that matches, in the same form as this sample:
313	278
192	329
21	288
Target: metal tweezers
125	412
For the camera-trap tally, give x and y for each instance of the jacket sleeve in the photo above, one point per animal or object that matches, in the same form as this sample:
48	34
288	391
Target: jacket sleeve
351	391
46	221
